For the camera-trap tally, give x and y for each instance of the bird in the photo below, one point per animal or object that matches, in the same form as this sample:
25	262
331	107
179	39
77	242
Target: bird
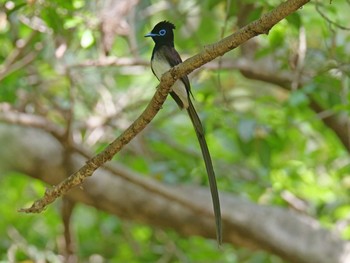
164	57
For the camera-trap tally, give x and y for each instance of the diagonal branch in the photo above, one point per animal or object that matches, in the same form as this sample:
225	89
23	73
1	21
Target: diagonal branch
260	26
17	59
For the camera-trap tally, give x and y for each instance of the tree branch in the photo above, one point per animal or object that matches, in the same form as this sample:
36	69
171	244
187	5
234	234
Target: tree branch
30	120
260	26
14	62
110	61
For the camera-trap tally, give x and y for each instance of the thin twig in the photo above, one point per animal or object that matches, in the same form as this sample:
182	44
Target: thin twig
318	9
13	61
31	120
111	61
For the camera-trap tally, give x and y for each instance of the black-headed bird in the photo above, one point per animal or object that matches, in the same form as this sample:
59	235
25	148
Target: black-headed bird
164	57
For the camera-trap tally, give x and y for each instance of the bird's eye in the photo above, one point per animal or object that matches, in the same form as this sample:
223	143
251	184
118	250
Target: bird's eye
162	32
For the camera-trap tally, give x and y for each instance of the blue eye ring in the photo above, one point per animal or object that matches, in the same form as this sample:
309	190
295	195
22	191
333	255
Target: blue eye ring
162	32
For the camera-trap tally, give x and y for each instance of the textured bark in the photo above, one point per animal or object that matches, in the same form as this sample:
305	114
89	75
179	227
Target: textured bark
293	237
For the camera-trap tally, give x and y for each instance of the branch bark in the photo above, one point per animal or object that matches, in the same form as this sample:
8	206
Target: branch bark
293	237
260	26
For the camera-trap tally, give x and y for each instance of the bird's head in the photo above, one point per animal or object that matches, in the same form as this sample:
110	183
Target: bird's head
162	33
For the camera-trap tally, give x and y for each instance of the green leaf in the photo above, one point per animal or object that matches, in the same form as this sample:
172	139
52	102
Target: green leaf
276	37
255	14
294	19
87	39
264	152
298	98
246	129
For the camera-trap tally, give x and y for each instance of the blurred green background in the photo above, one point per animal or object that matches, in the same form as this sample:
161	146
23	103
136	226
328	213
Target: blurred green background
275	111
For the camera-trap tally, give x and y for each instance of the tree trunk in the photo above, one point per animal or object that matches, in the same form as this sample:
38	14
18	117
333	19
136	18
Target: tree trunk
293	237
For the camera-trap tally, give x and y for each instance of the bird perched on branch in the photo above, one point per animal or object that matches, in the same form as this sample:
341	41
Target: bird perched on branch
164	57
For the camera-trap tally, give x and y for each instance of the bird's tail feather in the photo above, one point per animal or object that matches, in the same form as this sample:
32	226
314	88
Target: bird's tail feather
209	167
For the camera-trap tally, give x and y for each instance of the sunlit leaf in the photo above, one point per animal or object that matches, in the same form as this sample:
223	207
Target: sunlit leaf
87	39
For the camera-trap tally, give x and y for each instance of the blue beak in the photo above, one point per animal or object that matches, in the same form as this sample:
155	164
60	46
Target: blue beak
151	35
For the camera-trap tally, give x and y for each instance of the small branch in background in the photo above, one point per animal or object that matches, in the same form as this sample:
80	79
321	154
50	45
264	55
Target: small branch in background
113	21
120	62
69	244
318	9
35	23
111	61
70	112
20	245
339	124
300	59
132	39
30	120
19	50
17	59
294	202
8	69
134	245
345	101
335	122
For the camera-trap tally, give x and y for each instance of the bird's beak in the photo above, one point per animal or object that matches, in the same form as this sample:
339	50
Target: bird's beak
151	35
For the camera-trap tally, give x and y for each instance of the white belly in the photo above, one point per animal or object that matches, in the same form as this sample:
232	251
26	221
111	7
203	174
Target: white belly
159	67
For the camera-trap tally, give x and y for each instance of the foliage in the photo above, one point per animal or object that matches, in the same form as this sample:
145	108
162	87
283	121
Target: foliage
268	143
